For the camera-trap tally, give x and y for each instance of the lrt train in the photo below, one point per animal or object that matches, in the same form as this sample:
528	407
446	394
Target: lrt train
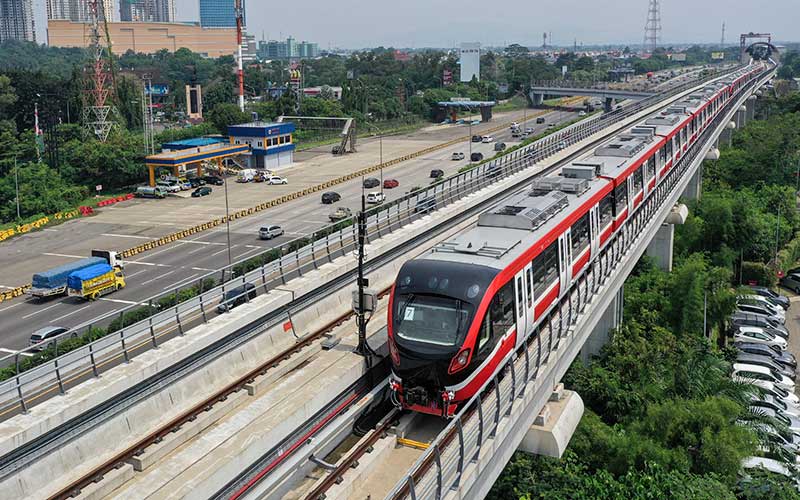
459	311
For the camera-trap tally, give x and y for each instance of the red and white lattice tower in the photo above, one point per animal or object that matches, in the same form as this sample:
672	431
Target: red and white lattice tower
652	30
96	111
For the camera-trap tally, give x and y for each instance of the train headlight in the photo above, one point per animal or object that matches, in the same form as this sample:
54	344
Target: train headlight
460	361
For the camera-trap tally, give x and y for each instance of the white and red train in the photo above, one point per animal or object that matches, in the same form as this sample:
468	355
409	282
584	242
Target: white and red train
459	311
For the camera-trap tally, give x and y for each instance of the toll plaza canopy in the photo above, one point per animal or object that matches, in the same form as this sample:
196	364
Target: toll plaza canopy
191	153
449	109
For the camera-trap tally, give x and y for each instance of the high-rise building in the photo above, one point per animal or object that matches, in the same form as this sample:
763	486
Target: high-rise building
16	20
470	61
289	49
220	14
147	11
307	50
78	10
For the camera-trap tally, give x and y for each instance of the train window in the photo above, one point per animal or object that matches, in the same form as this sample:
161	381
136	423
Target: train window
545	270
638	179
580	235
432	319
502	310
683	135
485	331
529	287
677	139
651	165
669	150
519	295
620	198
607	210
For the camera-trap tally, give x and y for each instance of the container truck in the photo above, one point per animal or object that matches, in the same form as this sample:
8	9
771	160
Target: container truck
92	282
53	282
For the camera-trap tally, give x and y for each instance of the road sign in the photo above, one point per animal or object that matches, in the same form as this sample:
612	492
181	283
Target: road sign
98	187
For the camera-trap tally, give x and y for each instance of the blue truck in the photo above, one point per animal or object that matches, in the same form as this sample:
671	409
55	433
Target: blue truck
54	281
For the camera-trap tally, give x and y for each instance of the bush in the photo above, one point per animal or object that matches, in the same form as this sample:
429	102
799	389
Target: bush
760	274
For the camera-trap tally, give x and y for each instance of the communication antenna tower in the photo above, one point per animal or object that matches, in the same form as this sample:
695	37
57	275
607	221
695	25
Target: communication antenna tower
239	10
96	111
147	114
652	30
722	42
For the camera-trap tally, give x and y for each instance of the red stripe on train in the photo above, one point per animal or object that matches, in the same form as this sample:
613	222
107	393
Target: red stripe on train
482	376
581	262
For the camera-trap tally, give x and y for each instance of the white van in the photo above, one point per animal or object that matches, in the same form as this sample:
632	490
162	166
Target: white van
376	198
246	175
747	373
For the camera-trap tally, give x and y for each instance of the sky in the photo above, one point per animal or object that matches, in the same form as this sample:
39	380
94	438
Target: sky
440	23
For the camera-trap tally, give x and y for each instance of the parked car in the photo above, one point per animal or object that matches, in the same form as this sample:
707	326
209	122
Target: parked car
236	297
390	183
213	179
436	173
269	232
476	157
330	197
775	352
169	187
741	318
791	282
746	373
787	419
500	146
758	300
760	310
201	191
766	361
425	205
376	198
540	120
371	182
766	387
47	333
788	440
476	138
775	297
757	335
768	464
457	156
196	182
775	404
277	180
341	213
487	139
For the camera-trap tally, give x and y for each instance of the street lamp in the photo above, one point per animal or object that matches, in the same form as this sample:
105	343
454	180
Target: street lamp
380	146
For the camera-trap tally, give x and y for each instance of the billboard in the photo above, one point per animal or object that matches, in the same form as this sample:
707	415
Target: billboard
679	57
158	90
718	56
447	77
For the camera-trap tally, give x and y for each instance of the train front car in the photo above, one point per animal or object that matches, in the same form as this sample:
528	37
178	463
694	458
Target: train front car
434	317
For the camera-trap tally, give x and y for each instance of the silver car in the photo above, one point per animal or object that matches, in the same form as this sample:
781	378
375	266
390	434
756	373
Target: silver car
269	232
38	338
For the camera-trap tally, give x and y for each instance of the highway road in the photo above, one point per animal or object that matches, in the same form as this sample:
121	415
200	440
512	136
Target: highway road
184	261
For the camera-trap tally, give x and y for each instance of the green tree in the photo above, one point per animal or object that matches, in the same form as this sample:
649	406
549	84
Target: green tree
225	115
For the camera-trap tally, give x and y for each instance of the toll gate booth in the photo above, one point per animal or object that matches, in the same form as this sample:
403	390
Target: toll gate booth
191	153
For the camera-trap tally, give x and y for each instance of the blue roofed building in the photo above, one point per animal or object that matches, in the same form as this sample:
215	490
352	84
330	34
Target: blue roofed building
271	144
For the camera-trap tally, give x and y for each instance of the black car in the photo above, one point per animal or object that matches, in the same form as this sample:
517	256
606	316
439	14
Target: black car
791	281
213	179
774	352
747	319
425	205
371	182
330	197
499	146
201	191
477	138
770	295
436	173
476	157
236	297
540	120
196	182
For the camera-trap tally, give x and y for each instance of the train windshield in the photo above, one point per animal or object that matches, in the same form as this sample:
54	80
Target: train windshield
432	319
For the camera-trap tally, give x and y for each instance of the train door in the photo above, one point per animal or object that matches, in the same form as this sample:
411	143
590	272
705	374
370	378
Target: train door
565	260
522	309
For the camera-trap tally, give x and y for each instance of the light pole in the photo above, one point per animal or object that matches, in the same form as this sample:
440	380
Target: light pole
470	133
380	146
227	213
16	184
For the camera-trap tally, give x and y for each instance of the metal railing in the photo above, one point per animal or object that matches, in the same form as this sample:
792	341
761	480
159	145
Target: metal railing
440	468
292	260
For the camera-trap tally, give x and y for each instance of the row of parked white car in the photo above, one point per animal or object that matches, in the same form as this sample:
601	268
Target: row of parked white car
761	339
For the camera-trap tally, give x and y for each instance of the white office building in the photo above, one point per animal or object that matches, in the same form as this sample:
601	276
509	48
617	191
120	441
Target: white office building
470	61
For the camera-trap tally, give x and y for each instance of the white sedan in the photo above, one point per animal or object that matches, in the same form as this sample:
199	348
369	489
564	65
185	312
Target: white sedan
487	139
277	180
759	336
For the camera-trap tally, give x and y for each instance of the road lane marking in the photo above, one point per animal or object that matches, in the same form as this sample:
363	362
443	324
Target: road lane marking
223	250
156	278
195	250
251	251
181	282
129	276
203	242
41	310
177	244
64	255
202	269
120	301
127	236
12	351
70	314
9	307
145	263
